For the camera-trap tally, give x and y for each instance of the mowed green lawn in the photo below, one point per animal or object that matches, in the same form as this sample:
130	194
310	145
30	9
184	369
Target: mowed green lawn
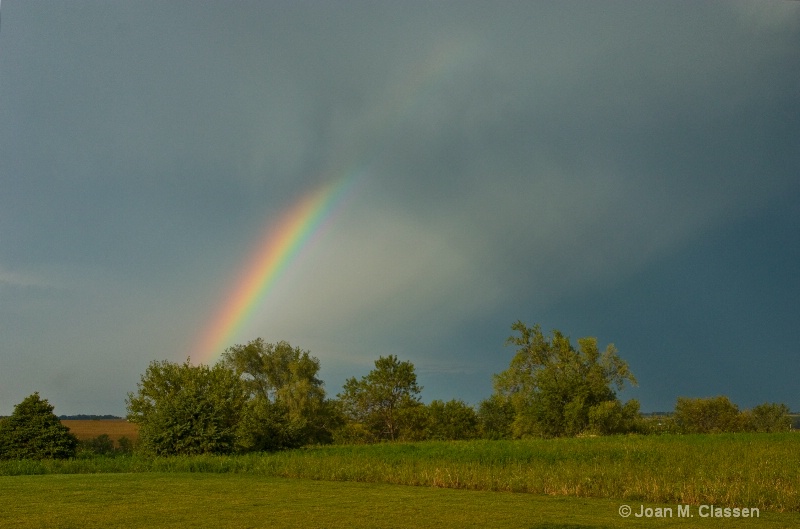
188	500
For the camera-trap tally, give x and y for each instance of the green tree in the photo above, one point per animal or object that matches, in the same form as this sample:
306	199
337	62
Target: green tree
613	417
186	409
496	417
413	422
352	433
553	387
451	421
287	406
379	400
709	415
768	417
33	431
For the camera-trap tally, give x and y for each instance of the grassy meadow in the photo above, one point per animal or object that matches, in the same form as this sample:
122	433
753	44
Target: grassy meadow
735	470
202	500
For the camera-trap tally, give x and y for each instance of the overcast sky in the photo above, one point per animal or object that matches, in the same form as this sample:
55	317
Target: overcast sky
624	170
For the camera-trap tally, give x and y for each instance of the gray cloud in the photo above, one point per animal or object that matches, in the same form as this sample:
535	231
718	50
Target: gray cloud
514	158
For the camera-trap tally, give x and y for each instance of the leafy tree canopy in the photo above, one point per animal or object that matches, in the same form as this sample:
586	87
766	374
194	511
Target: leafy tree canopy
186	409
709	415
496	417
768	417
553	387
451	420
33	431
378	400
286	406
719	415
278	372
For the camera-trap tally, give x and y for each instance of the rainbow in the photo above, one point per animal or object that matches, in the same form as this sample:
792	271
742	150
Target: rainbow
280	244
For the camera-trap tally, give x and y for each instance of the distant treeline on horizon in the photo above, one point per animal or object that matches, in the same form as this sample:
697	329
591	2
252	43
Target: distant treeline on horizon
82	417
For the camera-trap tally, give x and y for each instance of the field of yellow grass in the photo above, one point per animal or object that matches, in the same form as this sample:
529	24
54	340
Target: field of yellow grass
114	428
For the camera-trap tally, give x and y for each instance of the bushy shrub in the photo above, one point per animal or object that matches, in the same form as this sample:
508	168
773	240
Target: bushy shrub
451	421
354	434
612	417
768	417
100	445
709	415
267	426
495	418
125	445
103	445
413	422
183	409
33	431
719	414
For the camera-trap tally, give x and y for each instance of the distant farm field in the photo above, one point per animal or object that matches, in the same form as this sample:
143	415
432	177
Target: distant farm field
115	429
180	500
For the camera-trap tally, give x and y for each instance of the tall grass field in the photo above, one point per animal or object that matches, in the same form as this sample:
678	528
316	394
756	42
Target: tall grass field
732	470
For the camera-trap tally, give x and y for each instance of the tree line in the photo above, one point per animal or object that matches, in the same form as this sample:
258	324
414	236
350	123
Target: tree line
264	397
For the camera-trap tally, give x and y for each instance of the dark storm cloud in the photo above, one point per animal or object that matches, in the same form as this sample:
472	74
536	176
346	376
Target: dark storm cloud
537	161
